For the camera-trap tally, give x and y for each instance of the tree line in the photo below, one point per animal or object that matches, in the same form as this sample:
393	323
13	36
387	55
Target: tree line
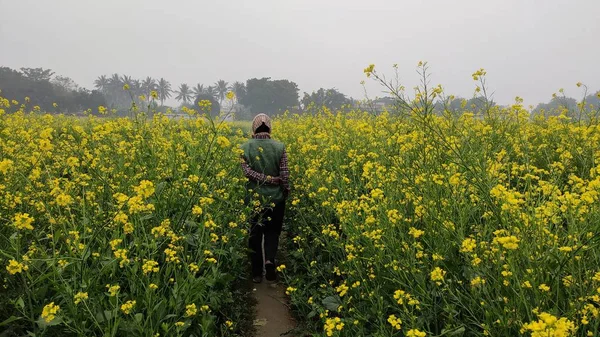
39	87
117	92
56	93
248	98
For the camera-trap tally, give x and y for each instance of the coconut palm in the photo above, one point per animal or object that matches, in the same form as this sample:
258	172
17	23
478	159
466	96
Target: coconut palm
198	90
221	88
212	91
101	83
114	92
148	85
126	80
184	93
136	90
136	87
239	89
164	90
115	80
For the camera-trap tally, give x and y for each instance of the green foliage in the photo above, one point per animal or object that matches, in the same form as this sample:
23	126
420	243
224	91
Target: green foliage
221	88
269	96
556	105
36	85
184	94
330	98
37	74
164	90
105	197
215	106
458	105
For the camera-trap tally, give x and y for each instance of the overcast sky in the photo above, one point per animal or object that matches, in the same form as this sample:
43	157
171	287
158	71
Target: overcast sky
530	48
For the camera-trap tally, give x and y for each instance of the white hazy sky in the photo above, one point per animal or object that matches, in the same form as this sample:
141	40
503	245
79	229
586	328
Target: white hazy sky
530	48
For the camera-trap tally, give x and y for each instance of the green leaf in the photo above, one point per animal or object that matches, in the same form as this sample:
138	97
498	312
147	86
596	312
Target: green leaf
101	316
9	320
20	303
453	332
159	188
43	324
332	303
138	317
168	316
146	217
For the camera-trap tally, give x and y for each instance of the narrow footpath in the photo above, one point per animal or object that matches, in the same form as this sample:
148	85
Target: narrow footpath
273	318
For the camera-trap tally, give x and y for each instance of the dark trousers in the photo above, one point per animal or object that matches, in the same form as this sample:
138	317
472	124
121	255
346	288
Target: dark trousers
267	223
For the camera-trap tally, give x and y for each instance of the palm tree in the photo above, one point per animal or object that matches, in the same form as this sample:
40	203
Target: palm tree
212	91
136	87
198	90
222	88
239	89
126	80
164	90
101	83
115	90
184	93
148	85
114	80
136	90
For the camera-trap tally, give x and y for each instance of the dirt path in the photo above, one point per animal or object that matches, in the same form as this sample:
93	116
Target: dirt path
272	314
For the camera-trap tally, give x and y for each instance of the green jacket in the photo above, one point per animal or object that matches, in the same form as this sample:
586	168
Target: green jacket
264	156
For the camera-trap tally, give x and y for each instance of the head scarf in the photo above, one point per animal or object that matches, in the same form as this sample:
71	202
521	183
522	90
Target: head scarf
259	120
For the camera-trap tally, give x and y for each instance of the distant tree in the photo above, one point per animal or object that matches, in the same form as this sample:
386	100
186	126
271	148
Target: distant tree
115	81
478	105
452	105
592	102
126	80
222	88
136	90
136	86
164	90
271	97
37	74
16	86
458	105
43	93
556	106
148	85
114	94
198	90
184	94
64	83
101	83
591	108
84	99
239	89
215	106
330	98
115	84
210	90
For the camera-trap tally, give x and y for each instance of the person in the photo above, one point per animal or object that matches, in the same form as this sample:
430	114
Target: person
264	162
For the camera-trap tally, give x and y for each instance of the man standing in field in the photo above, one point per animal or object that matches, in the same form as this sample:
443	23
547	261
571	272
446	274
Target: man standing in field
264	163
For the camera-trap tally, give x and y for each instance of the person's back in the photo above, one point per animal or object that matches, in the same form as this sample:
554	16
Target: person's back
264	155
264	162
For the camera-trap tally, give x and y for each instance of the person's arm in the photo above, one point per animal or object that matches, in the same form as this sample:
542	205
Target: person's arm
253	175
284	173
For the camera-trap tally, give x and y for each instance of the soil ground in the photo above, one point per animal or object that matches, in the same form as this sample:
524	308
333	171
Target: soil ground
273	318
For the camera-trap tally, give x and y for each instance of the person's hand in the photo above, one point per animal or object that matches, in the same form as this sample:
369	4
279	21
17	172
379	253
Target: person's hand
276	181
